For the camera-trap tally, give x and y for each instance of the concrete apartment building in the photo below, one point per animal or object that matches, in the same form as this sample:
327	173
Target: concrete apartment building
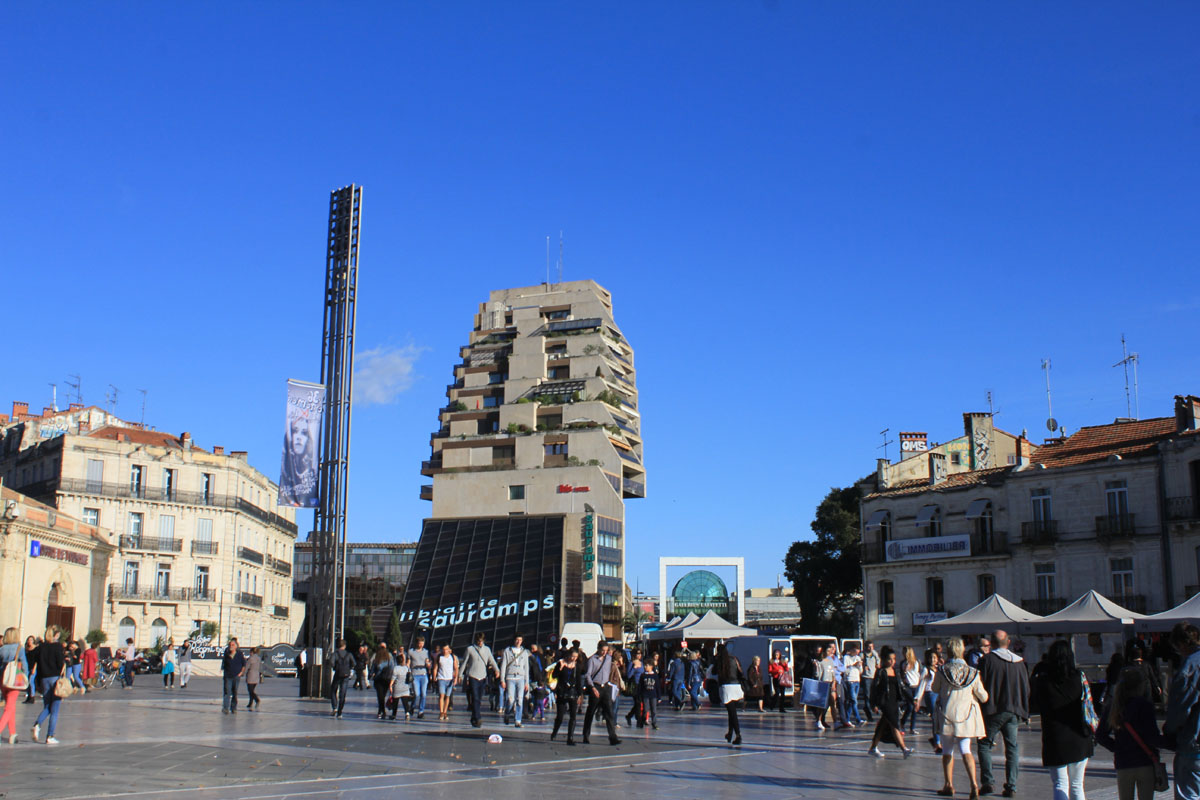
1111	507
197	534
542	421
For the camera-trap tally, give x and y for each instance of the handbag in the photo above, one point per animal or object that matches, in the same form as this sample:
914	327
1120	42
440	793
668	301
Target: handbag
785	677
1161	784
15	679
62	686
1090	717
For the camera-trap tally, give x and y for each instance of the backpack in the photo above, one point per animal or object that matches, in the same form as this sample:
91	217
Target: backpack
15	677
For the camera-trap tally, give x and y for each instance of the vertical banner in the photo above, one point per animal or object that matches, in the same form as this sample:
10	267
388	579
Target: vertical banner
302	432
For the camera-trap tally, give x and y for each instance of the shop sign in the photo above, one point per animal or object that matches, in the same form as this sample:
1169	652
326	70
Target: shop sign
39	550
589	552
926	617
566	488
887	620
929	547
485	609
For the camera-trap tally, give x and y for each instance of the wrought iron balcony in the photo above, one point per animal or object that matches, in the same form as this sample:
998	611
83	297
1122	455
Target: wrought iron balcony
251	600
1119	526
253	556
279	611
117	592
632	488
153	543
427	491
1182	508
200	548
279	565
994	543
1039	531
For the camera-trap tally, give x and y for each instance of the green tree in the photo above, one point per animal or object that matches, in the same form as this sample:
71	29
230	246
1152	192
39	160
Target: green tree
210	629
96	637
826	572
395	636
633	619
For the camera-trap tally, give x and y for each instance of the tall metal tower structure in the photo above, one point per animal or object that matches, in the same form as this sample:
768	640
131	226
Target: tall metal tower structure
326	603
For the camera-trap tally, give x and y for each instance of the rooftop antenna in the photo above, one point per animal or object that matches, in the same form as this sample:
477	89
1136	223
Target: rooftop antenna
886	442
75	383
1051	422
547	260
990	400
143	391
560	255
54	396
111	398
1128	358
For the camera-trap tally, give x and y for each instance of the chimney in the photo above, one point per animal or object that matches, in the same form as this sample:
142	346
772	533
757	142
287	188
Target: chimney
239	454
1024	450
882	476
913	443
75	407
937	468
218	450
20	409
186	439
84	426
3	419
47	410
1187	413
980	438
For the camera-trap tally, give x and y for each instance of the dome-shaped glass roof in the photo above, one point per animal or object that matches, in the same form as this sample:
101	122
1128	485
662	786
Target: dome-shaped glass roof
700	585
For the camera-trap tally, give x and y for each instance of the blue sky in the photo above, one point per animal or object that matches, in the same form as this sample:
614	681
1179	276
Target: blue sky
817	220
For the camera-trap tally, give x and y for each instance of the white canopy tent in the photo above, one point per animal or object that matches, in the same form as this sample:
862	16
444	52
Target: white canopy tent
710	626
1092	613
1187	611
675	624
994	612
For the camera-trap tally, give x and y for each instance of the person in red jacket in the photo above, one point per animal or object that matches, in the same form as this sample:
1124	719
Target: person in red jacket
778	667
91	660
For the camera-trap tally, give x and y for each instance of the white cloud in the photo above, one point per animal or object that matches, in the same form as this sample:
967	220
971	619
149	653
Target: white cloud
382	373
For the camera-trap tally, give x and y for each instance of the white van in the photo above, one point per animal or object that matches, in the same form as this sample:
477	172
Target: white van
589	634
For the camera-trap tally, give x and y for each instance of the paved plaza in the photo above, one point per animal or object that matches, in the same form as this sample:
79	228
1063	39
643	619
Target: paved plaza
151	743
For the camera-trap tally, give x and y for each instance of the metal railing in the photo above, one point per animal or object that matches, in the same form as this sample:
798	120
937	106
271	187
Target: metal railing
627	455
1115	527
202	548
116	592
246	599
279	565
1039	531
1044	605
279	611
129	542
209	499
1182	508
427	491
633	488
253	556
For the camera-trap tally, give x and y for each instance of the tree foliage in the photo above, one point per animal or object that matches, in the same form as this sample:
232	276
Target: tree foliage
395	636
96	637
826	572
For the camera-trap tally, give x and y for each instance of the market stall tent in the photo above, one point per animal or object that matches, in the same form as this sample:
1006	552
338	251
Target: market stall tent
1187	611
1092	613
994	612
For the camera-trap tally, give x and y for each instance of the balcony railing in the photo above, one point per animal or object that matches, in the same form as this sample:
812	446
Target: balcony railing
116	592
1039	531
1182	508
252	600
431	466
125	490
253	556
632	488
279	611
427	491
279	565
154	543
628	456
200	548
1045	605
1115	527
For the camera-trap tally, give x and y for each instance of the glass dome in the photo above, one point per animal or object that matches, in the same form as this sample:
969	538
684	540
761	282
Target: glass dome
700	585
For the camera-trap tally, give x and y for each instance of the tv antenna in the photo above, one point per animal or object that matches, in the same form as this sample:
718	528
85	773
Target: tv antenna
560	256
1128	358
74	383
1051	422
547	259
143	391
111	398
886	442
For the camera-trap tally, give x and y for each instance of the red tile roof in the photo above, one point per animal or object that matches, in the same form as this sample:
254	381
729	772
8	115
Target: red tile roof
954	481
1099	442
155	438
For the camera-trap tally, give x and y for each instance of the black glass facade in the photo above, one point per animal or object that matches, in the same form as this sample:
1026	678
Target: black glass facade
498	576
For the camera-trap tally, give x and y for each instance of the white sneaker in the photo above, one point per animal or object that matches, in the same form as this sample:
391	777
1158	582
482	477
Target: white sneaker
820	725
51	740
908	752
37	731
875	751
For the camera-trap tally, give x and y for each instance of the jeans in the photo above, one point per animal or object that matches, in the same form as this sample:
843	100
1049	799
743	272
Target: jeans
229	699
852	702
515	687
1004	723
337	698
420	688
476	688
694	690
1136	780
864	691
1068	781
128	676
677	690
75	674
1186	774
50	703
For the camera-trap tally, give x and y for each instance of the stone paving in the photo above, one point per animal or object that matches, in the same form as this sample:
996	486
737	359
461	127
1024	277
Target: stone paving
147	742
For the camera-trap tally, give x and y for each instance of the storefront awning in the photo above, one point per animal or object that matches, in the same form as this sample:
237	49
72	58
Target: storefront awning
877	519
925	515
977	507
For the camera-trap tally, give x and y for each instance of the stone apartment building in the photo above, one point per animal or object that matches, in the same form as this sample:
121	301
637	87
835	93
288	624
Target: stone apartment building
197	533
1111	507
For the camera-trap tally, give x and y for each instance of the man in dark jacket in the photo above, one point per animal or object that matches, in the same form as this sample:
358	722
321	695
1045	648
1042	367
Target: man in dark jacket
1007	682
343	673
233	666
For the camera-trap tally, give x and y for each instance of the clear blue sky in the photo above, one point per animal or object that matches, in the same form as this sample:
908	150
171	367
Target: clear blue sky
817	220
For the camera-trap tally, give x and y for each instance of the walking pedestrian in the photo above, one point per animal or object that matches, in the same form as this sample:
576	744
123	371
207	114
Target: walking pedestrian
648	694
51	664
888	691
754	683
960	691
910	673
30	656
633	680
677	677
253	679
343	666
779	670
420	663
597	681
930	699
12	686
73	661
185	663
475	671
1183	712
824	673
730	677
402	683
1128	729
168	665
695	679
975	654
447	675
361	656
233	666
853	662
91	663
568	687
382	669
538	696
1006	680
1135	659
130	658
514	679
1059	693
870	665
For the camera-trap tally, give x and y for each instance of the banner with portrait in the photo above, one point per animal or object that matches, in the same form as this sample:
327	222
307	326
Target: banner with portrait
299	474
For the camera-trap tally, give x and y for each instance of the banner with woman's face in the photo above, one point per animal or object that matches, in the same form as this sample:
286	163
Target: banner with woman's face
299	475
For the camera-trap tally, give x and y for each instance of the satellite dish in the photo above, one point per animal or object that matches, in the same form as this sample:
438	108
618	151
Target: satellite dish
1052	424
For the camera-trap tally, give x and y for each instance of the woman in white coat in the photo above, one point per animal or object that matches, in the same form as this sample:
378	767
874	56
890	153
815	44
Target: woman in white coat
959	691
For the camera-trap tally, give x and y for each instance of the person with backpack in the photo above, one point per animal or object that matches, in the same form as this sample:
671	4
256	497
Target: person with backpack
1060	693
343	666
14	679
